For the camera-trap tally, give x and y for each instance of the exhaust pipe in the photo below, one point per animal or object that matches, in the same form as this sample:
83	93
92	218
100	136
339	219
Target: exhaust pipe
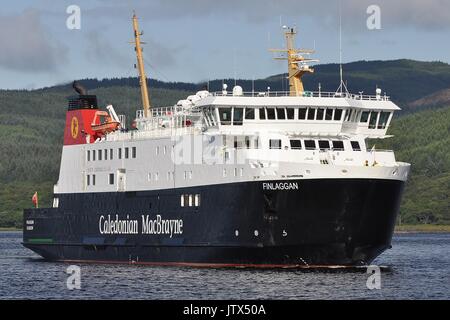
79	88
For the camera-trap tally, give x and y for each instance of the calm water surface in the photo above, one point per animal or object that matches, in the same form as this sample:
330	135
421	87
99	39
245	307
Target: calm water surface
419	268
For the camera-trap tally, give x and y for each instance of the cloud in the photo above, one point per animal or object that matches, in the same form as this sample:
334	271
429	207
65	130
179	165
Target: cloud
27	46
98	49
419	14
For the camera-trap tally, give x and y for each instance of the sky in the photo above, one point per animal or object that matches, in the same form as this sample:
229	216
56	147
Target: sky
197	40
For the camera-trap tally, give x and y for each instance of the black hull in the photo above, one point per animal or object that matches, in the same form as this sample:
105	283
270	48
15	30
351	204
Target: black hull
323	222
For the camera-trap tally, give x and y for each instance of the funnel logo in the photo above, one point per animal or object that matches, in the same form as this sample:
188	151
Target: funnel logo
74	127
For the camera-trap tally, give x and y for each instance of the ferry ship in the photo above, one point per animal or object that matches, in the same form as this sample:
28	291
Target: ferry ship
225	179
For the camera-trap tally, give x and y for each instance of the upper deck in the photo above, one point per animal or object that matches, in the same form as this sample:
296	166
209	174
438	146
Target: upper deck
311	114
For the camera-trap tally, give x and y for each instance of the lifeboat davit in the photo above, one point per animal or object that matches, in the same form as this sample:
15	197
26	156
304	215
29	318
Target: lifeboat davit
106	126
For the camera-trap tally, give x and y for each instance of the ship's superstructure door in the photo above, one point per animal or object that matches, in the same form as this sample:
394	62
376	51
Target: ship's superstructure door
121	180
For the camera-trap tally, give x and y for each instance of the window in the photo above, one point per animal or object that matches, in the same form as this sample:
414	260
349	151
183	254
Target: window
197	200
88	155
111	178
310	144
238	114
281	114
296	144
348	115
302	113
127	152
324	144
106	154
120	153
256	143
262	113
355	145
133	152
190	200
373	120
100	155
337	115
225	116
110	154
224	173
382	122
275	144
88	180
250	113
311	113
157	150
329	114
338	145
156	176
182	200
270	113
93	155
164	150
320	113
149	177
365	116
247	142
235	172
93	179
290	113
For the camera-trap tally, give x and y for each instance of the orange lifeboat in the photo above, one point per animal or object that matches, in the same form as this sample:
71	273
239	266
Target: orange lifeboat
104	125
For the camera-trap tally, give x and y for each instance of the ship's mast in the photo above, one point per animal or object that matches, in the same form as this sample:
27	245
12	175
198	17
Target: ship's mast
140	66
297	64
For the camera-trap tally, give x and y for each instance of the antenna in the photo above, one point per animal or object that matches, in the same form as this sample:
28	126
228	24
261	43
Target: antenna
342	85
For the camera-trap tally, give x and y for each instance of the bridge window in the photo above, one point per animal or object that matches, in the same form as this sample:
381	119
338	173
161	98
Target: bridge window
382	122
338	145
324	144
238	114
250	113
281	114
302	113
320	113
275	143
337	115
262	113
271	113
355	146
311	113
290	113
225	116
373	120
329	114
365	116
310	144
296	144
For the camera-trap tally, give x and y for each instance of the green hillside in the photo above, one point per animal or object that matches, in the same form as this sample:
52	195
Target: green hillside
423	139
32	123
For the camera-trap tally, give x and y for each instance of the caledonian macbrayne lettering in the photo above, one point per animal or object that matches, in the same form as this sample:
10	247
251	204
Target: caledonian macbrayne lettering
171	227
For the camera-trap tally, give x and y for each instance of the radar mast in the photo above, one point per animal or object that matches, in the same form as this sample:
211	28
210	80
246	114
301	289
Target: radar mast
297	63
